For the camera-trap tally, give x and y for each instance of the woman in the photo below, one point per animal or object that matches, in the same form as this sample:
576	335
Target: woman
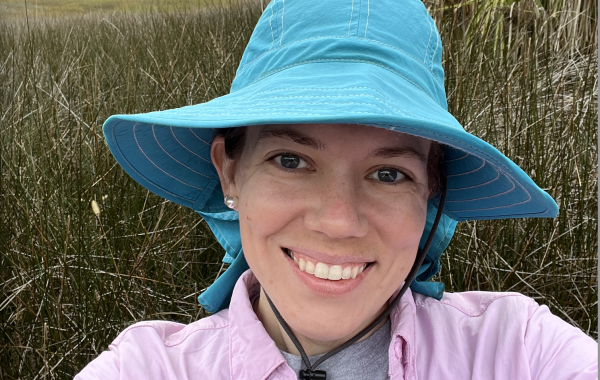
335	173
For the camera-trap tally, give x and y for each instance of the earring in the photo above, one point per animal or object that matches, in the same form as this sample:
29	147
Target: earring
230	202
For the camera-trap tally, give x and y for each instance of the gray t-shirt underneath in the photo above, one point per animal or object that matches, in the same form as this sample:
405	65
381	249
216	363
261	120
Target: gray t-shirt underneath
364	360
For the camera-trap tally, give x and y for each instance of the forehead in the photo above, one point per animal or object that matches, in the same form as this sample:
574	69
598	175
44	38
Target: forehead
328	136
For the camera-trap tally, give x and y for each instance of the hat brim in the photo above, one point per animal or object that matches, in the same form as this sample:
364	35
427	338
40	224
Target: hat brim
168	151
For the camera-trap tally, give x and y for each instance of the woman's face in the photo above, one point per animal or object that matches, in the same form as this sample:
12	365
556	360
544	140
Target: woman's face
345	202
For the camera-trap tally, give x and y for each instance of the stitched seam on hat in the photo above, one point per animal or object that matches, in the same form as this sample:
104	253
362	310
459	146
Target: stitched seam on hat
308	97
460	142
314	97
447	138
359	14
126	161
223	236
158	167
338	37
344	60
333	104
186	148
382	99
205	195
282	27
499	207
483	154
271	26
351	12
459	158
428	41
278	113
446	229
481	184
173	158
469	172
489	196
368	11
243	112
410	55
437	43
198	137
313	89
434	134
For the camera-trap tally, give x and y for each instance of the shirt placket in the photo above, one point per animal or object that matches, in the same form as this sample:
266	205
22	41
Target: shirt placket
401	359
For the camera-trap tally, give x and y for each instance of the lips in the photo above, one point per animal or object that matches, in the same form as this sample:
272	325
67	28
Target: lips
324	270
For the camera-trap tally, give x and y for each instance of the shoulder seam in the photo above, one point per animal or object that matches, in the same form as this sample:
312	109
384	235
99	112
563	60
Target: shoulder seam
123	334
431	301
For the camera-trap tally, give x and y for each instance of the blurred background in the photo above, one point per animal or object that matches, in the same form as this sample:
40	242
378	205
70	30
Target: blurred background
85	251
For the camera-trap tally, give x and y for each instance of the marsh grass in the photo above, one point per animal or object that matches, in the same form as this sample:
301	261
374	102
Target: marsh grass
522	75
34	9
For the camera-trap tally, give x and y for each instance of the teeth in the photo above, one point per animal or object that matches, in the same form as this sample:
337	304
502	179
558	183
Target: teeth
346	273
310	267
324	271
335	273
321	270
302	264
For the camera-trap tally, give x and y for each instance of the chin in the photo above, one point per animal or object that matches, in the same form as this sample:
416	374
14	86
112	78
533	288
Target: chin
330	333
332	326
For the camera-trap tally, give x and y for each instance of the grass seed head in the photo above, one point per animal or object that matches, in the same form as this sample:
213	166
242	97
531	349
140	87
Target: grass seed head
95	208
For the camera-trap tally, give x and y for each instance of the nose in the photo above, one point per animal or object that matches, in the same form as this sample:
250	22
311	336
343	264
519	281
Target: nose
336	210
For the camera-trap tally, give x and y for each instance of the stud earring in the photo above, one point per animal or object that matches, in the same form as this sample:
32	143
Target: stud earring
230	202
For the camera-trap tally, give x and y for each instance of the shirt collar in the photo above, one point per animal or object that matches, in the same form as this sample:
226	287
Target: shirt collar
253	354
402	352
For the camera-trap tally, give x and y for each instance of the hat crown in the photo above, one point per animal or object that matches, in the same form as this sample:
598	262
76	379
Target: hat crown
398	35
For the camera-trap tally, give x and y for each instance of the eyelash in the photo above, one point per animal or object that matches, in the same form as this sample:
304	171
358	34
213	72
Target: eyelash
289	170
295	170
405	176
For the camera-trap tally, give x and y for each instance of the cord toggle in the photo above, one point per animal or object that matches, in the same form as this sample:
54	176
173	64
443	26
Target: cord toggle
310	374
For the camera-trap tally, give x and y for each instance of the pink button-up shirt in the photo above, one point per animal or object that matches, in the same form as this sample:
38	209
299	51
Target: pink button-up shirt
472	335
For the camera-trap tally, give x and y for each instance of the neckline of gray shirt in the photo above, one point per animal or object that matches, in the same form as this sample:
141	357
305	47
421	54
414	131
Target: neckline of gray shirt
364	360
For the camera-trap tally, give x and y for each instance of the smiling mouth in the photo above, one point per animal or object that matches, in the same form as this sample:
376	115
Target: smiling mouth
326	271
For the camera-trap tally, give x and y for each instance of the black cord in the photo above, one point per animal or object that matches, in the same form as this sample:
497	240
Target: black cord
290	333
312	373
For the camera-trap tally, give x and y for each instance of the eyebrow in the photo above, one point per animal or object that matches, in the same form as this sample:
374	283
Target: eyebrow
295	136
391	152
303	139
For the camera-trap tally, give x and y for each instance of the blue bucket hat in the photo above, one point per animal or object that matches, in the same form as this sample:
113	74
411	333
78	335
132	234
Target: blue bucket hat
370	62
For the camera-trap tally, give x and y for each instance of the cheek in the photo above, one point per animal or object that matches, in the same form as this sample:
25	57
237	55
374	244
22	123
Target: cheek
401	222
265	209
400	230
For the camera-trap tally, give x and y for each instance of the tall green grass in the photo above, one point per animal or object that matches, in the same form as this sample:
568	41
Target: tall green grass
522	75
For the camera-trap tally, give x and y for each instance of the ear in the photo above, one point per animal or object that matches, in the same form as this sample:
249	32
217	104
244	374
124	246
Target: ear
224	165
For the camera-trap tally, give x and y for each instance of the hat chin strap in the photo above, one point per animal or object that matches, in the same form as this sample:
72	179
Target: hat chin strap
311	373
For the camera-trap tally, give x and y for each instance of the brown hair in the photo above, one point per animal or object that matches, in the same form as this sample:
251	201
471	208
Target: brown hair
235	138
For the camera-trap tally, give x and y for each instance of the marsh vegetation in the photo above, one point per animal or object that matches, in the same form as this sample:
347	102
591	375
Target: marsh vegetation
520	74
